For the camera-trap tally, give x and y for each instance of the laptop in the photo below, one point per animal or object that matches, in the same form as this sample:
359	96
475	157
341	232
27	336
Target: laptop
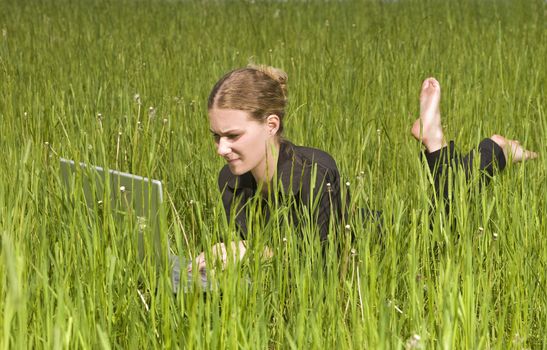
133	200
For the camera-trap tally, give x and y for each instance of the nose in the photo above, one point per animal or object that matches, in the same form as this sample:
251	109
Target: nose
223	147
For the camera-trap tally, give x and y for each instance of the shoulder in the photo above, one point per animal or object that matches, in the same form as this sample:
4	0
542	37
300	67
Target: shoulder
313	157
300	168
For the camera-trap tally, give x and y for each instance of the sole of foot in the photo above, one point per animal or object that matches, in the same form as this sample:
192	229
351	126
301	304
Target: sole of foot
428	129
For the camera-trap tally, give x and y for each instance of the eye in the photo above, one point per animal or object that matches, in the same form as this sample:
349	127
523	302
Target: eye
216	137
232	137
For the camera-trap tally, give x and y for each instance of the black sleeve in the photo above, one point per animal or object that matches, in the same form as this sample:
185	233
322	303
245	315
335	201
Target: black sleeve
329	201
490	155
233	201
227	194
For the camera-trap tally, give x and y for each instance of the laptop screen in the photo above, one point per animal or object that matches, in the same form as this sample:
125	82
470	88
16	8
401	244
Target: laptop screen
127	196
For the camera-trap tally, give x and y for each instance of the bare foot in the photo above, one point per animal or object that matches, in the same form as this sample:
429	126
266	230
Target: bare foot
427	128
513	150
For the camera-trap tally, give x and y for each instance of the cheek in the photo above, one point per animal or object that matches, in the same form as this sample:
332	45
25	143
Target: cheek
252	144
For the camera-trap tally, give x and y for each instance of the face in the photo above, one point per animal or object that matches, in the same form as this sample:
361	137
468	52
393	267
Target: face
241	140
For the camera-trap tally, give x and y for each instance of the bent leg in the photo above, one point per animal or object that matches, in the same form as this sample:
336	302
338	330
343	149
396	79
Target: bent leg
493	152
490	156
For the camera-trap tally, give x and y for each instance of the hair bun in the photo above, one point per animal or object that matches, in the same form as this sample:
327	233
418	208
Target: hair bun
275	73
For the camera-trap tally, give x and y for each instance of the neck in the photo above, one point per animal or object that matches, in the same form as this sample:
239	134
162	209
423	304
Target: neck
264	173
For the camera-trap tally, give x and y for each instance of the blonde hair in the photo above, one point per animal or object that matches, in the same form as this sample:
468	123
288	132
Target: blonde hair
257	89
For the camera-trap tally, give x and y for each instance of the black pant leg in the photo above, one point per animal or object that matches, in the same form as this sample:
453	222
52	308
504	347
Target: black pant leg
439	163
491	158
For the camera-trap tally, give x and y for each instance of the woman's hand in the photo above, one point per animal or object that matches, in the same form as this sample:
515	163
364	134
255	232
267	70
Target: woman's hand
220	252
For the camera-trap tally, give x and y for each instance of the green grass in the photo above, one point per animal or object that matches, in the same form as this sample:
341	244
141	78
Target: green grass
472	280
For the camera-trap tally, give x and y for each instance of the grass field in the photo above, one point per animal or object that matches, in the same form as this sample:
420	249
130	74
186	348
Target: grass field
123	84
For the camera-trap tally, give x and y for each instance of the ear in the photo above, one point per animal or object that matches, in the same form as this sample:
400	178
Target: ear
273	123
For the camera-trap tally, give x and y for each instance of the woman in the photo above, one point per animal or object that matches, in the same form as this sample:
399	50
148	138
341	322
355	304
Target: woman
246	110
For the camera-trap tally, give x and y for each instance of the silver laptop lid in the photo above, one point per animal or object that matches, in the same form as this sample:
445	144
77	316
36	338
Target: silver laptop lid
128	195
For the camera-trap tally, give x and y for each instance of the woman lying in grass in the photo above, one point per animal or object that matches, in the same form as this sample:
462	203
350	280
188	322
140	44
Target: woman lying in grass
246	111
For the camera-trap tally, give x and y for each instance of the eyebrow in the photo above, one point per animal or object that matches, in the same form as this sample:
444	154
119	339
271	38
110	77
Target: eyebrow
227	132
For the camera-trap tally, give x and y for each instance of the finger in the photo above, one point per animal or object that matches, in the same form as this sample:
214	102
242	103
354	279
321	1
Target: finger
201	266
530	155
191	265
199	261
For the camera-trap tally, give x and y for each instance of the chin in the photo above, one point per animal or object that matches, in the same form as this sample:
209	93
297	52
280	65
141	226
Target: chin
237	170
